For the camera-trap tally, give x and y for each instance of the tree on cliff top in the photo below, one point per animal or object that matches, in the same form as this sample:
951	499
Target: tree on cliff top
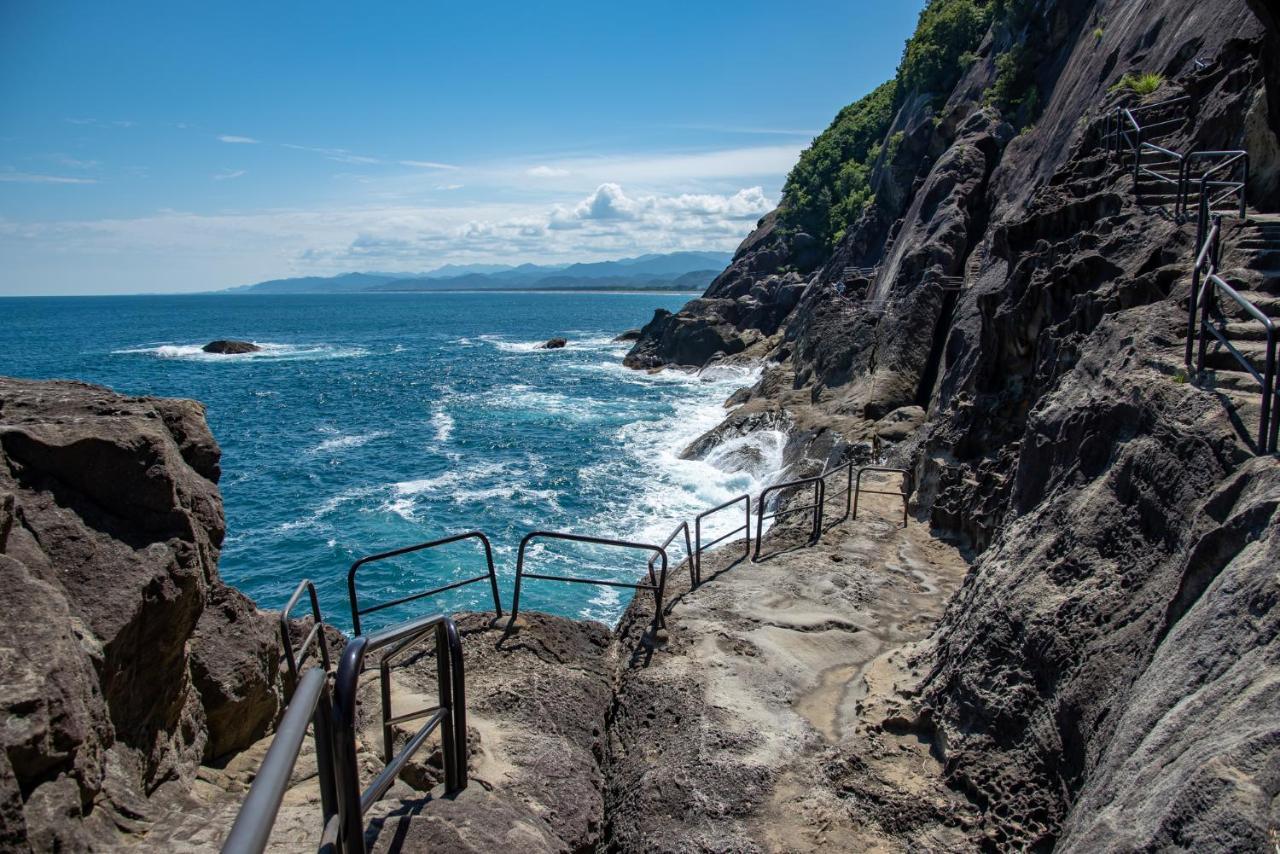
830	185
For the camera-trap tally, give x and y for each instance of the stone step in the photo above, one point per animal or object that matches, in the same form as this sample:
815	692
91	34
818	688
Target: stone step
1247	330
1234	382
1219	358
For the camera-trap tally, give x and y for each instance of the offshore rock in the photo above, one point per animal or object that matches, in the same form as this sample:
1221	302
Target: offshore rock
127	660
553	344
229	347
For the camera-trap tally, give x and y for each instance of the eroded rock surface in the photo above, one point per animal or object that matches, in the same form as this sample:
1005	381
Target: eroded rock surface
126	662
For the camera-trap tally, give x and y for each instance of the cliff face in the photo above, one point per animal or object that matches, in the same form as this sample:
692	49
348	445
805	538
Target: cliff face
1098	681
125	660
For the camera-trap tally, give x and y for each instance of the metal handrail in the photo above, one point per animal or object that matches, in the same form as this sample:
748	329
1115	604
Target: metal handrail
905	494
848	490
1267	428
491	575
311	703
450	715
819	494
1228	158
657	588
1206	260
697	526
688	553
316	633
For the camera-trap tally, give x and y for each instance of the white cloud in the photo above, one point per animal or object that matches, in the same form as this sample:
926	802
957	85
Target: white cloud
237	140
427	164
450	186
32	178
341	155
217	250
228	174
547	172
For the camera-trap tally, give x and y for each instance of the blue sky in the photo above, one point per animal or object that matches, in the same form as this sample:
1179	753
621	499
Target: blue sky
178	147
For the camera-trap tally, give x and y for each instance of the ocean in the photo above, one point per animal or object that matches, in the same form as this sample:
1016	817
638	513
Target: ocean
374	421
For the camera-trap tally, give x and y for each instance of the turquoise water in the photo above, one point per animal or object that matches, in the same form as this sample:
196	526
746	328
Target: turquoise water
371	422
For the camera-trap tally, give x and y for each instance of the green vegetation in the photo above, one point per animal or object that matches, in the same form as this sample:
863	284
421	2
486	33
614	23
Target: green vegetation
1141	84
830	186
942	46
1097	34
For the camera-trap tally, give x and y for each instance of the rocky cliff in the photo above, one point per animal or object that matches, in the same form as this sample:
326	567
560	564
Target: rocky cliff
125	661
1007	318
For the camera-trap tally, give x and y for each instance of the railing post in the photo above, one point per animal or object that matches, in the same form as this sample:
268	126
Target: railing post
1268	394
350	815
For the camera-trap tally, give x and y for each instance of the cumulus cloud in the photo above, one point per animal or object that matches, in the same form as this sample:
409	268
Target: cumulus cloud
237	140
218	250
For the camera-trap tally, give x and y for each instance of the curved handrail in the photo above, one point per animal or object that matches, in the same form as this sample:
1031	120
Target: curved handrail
819	494
905	493
697	525
491	575
251	832
599	541
316	633
688	552
450	715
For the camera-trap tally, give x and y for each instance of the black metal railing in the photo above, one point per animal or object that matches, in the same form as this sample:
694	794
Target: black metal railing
1129	127
1216	190
657	588
699	548
688	553
449	715
315	636
311	704
819	491
491	575
904	493
847	468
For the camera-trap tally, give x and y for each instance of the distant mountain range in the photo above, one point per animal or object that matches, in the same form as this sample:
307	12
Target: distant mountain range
674	271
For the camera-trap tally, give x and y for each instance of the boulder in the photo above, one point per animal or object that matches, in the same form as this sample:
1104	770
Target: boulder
629	335
553	344
228	347
131	662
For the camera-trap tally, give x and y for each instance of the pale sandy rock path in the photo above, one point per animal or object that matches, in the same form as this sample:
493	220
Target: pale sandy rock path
779	716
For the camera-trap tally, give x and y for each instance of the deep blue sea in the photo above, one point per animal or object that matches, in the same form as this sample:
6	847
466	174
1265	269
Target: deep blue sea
373	421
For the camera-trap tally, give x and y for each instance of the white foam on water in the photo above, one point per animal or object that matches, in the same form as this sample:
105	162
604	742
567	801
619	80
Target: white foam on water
344	442
267	352
444	424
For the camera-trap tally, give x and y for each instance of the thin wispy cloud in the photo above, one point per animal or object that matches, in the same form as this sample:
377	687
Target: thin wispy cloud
74	162
546	172
228	174
237	140
340	155
88	122
427	164
35	178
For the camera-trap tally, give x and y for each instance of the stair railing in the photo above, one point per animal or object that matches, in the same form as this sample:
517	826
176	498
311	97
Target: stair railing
1222	188
1206	288
700	546
449	715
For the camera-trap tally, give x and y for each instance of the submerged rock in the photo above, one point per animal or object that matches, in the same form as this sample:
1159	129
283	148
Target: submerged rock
553	344
230	347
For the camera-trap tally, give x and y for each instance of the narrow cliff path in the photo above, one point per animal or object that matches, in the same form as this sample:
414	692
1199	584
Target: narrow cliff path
778	716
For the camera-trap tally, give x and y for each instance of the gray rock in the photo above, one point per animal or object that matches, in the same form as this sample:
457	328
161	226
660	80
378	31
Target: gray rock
553	344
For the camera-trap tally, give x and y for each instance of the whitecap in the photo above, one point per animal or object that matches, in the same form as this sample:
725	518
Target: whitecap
444	424
268	351
344	442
